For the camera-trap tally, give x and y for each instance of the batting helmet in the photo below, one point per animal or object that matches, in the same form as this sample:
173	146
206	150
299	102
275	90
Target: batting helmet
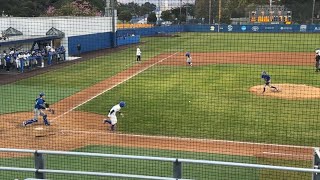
187	53
264	73
122	104
41	94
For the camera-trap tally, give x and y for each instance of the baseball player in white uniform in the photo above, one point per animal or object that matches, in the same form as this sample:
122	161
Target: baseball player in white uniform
138	54
317	57
112	115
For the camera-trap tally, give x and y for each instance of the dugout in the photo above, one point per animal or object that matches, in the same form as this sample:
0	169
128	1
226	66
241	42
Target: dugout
17	40
31	43
68	31
27	42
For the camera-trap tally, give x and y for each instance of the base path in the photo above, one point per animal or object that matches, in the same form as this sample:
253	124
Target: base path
274	58
73	129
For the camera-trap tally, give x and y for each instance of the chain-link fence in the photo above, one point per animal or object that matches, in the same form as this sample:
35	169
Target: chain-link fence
225	81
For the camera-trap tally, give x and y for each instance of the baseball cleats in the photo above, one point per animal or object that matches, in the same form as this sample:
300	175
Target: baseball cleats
276	90
24	124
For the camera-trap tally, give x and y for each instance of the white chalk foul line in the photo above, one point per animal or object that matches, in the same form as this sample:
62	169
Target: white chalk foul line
129	64
286	154
108	89
187	139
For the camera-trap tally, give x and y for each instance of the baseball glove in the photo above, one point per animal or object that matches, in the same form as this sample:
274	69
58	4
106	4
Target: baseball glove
46	105
49	109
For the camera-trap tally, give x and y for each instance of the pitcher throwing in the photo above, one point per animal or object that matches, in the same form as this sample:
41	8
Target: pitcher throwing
267	80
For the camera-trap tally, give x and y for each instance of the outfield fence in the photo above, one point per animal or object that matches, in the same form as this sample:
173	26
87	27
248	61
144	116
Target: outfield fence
40	161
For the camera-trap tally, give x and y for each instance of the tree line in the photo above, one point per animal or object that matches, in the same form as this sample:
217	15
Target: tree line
301	9
129	10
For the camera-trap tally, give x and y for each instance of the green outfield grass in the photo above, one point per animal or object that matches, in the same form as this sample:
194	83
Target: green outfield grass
241	42
158	100
221	105
62	83
153	168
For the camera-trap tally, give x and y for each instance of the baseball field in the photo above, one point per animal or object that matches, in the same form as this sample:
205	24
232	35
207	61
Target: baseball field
213	110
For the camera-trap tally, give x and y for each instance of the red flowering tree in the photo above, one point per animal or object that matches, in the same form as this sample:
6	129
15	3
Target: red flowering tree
75	8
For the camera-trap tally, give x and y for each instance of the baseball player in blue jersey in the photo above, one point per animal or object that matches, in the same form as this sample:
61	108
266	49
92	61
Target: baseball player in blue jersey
39	107
267	79
189	58
112	115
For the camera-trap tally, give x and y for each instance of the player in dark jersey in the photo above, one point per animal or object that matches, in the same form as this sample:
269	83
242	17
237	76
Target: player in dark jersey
267	80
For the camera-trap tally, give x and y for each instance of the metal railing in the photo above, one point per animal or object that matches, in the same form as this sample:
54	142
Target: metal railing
40	170
316	163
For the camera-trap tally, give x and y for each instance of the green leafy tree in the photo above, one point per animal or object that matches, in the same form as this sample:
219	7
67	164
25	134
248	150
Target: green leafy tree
147	8
201	9
167	15
152	18
180	17
190	8
136	9
125	16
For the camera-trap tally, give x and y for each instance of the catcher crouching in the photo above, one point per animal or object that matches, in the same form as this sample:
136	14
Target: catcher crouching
39	110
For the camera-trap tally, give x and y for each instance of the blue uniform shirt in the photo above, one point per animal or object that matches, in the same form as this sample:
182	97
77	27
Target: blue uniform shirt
39	103
8	58
266	77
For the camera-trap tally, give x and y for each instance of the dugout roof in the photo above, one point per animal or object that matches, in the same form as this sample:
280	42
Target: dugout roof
27	39
12	32
55	32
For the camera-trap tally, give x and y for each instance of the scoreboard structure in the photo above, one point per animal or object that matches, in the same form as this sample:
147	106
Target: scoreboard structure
274	14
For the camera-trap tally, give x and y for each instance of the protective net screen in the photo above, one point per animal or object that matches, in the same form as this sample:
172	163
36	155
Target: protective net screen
160	89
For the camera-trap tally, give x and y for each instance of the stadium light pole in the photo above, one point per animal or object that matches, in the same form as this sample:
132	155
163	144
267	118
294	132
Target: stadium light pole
114	44
110	12
180	11
270	9
187	6
313	7
219	15
209	11
187	13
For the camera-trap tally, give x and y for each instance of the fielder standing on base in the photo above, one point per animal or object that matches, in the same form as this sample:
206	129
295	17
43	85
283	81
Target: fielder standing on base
267	79
39	107
138	53
112	115
189	58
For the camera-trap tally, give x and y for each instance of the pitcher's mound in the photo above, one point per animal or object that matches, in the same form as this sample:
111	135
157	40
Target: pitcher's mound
288	91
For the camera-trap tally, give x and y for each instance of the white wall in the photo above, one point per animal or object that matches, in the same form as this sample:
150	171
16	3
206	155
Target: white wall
71	26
